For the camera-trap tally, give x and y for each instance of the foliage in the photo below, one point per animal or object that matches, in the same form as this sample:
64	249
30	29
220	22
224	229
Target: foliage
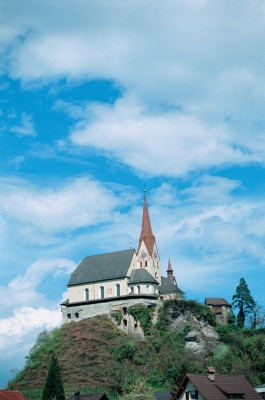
118	317
243	301
139	391
144	315
185	306
53	385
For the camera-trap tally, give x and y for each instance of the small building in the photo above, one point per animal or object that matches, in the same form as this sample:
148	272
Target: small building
11	395
220	308
261	391
92	396
165	395
215	387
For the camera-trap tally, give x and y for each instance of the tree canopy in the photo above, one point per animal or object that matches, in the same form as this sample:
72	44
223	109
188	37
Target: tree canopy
53	386
243	301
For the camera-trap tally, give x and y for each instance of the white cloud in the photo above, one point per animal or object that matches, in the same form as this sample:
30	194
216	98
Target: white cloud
157	144
79	203
26	127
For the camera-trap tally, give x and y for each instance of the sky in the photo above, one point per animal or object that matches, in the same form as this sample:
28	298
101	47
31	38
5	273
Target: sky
99	98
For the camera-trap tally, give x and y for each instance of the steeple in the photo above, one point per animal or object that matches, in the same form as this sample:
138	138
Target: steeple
169	271
146	234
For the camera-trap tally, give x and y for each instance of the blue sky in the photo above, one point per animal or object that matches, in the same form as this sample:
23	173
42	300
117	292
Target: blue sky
99	98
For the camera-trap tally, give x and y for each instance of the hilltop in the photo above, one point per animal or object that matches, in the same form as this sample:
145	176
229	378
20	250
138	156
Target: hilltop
95	353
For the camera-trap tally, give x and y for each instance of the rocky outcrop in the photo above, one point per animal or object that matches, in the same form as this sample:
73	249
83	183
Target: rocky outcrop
202	338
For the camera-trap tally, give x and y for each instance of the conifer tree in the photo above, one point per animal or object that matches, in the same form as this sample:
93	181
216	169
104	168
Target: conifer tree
243	301
53	386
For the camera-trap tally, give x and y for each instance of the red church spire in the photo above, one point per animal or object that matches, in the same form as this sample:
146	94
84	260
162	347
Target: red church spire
146	234
169	271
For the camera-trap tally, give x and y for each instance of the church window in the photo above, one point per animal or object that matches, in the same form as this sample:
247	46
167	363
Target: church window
147	288
141	264
156	274
118	290
124	310
132	289
138	289
125	322
77	315
69	316
86	294
145	263
101	292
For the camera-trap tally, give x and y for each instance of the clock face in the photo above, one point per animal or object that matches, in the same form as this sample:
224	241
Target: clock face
143	255
155	255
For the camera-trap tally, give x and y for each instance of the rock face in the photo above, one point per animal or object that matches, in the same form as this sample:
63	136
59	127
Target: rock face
201	340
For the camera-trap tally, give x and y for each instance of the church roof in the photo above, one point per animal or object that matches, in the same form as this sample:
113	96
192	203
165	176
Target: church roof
147	235
141	276
102	267
168	286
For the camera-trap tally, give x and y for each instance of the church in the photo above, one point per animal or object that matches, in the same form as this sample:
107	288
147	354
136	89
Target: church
111	282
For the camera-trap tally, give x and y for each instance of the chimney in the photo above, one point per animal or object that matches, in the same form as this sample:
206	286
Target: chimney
211	372
77	395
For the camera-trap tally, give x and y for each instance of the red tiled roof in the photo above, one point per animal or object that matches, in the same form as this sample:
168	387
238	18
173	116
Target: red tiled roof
220	388
11	395
216	301
146	234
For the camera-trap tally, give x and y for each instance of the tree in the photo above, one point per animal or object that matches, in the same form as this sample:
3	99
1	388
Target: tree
140	391
53	385
257	319
243	301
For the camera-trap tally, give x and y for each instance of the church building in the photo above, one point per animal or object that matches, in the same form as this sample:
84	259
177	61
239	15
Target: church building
111	282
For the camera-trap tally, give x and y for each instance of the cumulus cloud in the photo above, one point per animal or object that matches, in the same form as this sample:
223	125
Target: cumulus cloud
170	143
76	204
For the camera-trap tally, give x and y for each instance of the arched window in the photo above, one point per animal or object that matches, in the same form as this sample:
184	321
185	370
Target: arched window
101	292
147	288
77	315
118	290
138	289
132	289
125	322
68	316
86	294
145	263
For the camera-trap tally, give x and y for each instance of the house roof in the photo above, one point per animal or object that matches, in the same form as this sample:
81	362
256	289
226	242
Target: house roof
220	388
168	286
216	301
11	395
147	235
141	276
102	267
92	396
163	395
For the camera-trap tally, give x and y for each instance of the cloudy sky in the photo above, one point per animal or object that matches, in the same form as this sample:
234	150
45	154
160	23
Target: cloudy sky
98	98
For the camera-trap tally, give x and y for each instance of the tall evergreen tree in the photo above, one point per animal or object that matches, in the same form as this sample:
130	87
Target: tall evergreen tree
53	385
243	301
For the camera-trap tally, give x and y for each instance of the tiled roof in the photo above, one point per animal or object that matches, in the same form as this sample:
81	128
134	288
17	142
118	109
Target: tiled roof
141	276
102	267
216	301
11	395
168	286
220	388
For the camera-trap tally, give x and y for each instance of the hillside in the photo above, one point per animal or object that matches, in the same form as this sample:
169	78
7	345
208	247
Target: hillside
94	354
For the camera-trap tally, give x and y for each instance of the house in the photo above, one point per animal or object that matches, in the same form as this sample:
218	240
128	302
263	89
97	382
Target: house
261	391
11	395
111	282
220	308
215	387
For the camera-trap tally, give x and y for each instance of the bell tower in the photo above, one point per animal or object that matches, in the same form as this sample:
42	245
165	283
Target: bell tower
147	253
